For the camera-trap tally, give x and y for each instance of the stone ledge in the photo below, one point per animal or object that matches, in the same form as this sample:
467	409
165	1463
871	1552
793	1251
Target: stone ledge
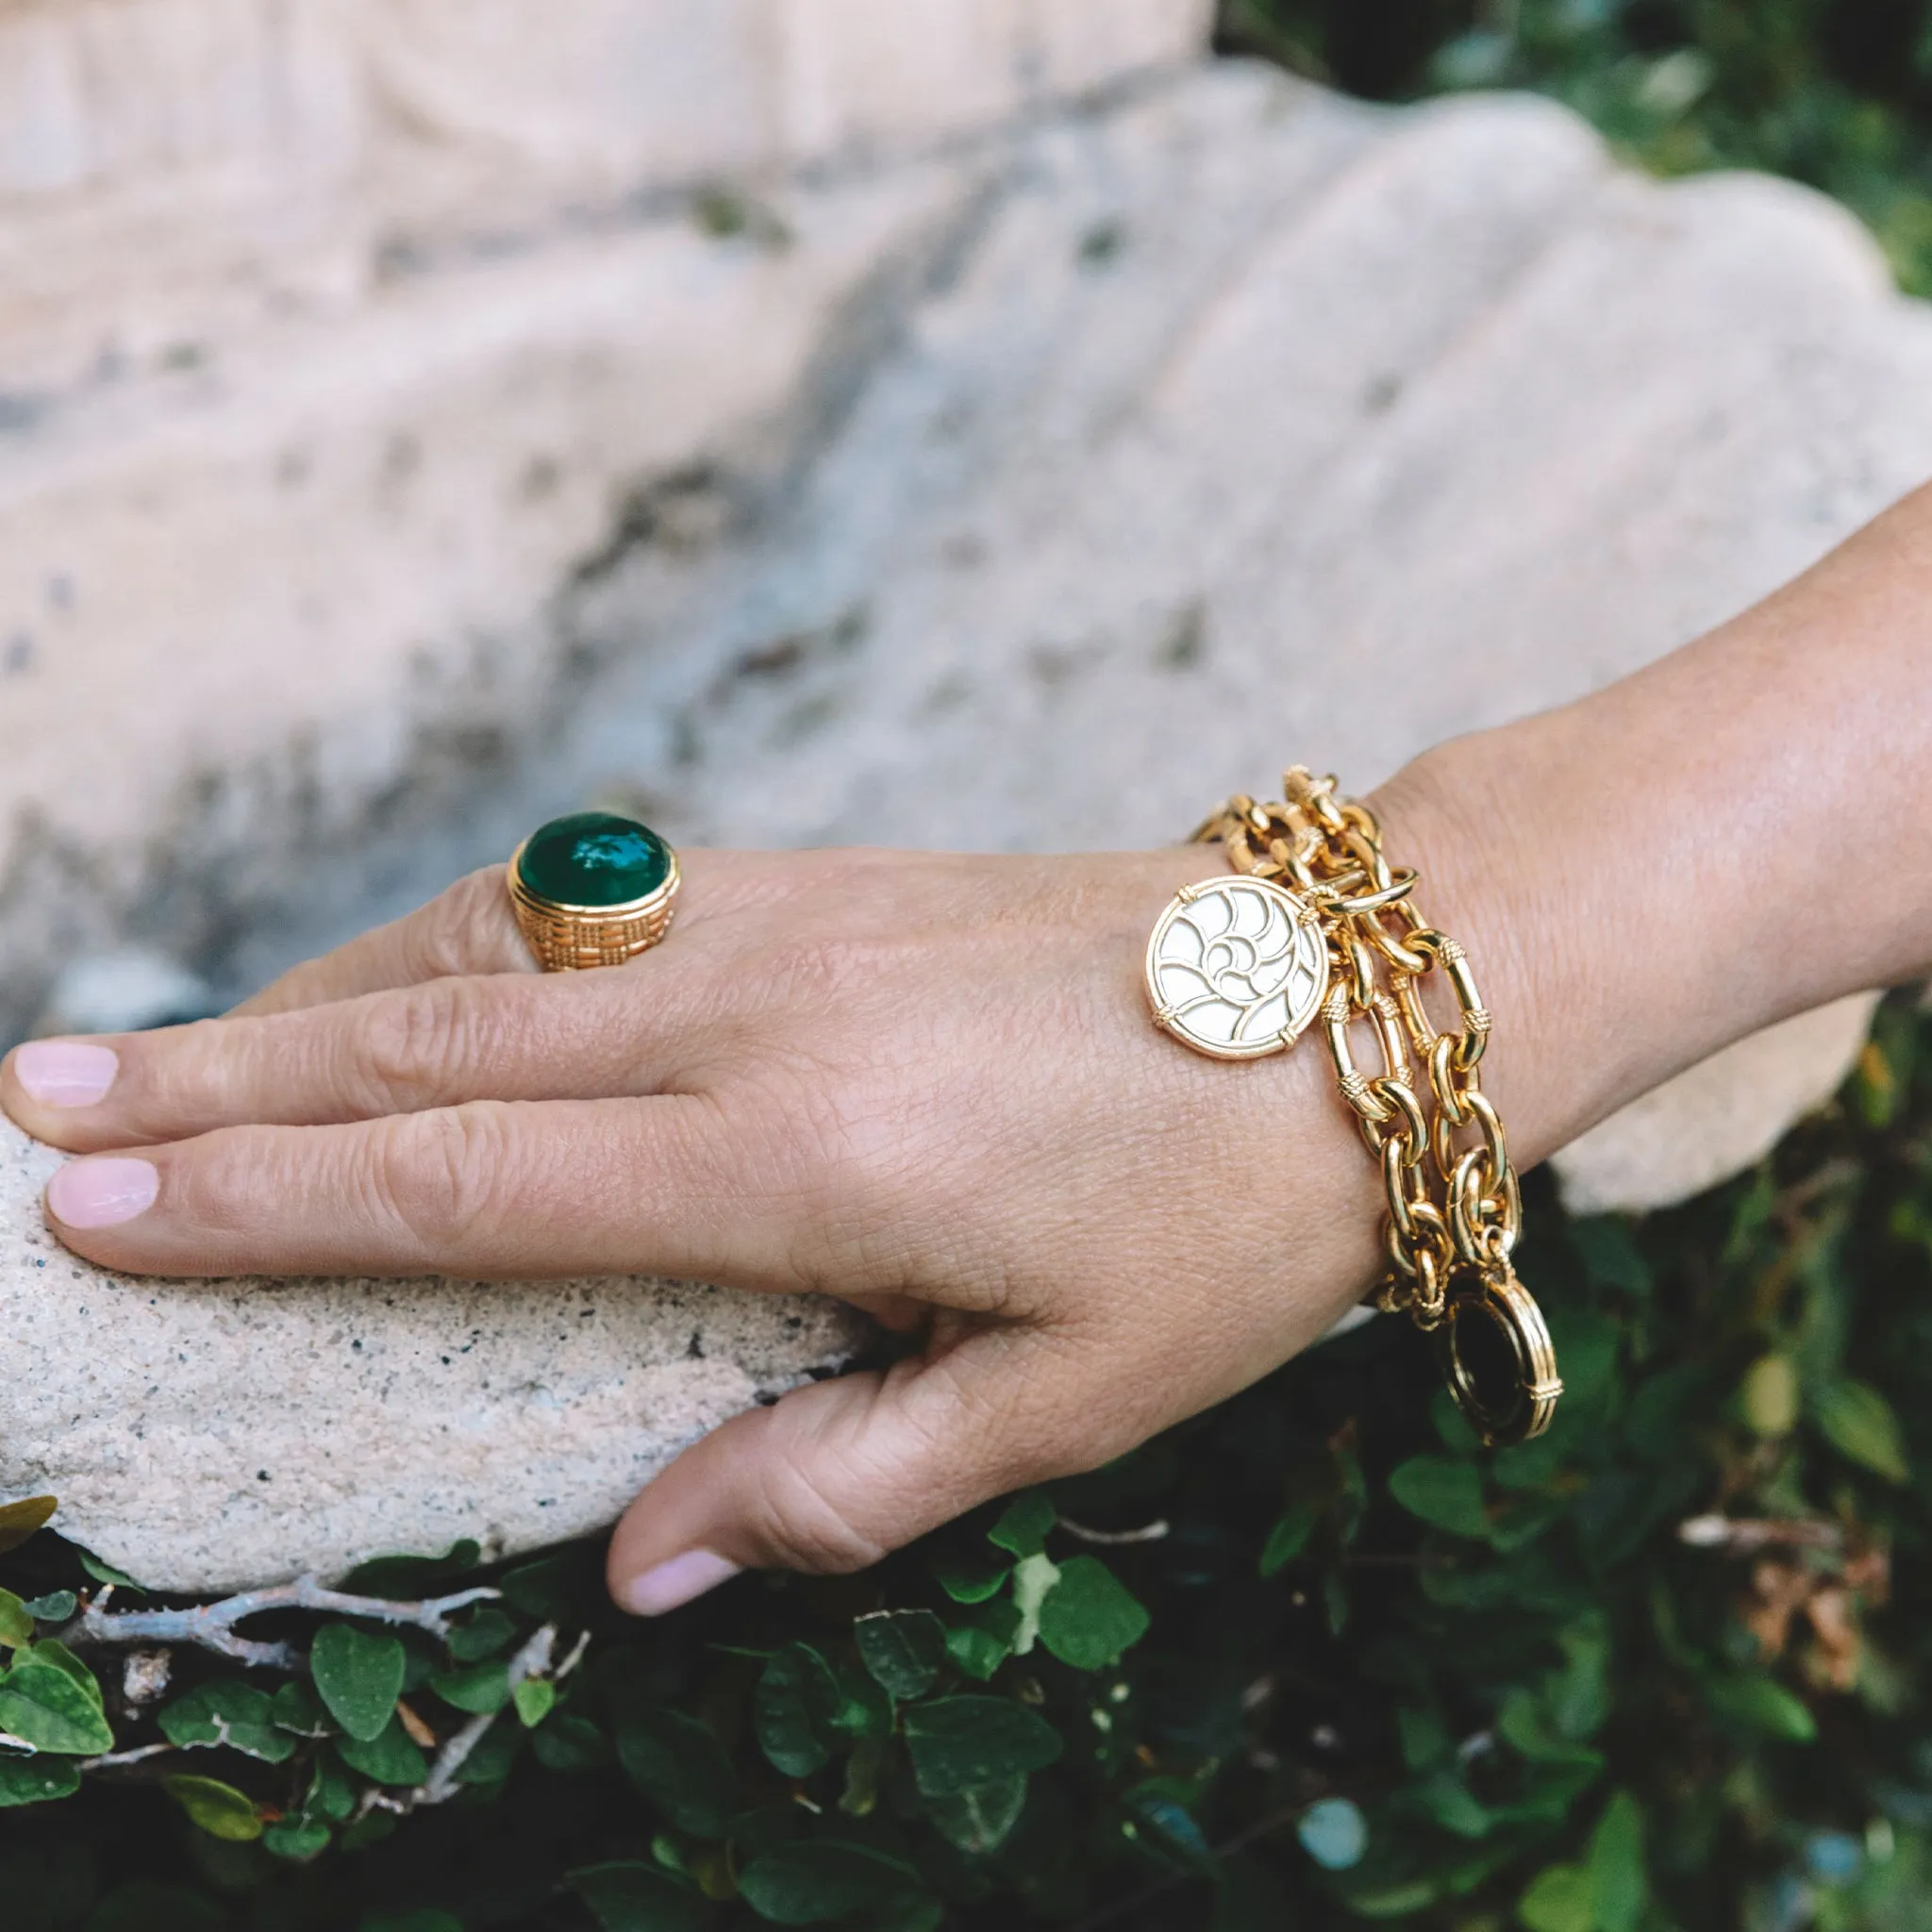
208	1436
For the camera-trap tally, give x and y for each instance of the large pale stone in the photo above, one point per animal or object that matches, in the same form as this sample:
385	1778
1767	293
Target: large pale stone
1031	494
1719	1117
208	1435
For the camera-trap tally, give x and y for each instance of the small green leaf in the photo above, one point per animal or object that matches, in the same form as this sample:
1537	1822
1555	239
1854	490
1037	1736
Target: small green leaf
903	1650
970	1578
147	1904
219	1809
1445	1494
977	1652
18	1521
1769	1395
793	1709
1858	1422
50	1650
405	1576
331	1792
55	1607
535	1699
486	1632
556	1588
390	1758
299	1711
477	1689
1615	1864
979	1819
635	1897
358	1675
103	1571
1289	1537
810	1883
1161	1808
1025	1524
1560	1899
1090	1617
43	1705
958	1742
233	1714
16	1621
676	1763
36	1780
1762	1704
298	1839
1334	1833
570	1743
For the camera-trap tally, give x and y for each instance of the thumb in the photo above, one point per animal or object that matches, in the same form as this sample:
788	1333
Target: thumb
834	1475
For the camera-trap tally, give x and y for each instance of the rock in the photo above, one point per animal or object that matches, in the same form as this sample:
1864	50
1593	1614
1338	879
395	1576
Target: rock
1030	493
1718	1118
1257	425
122	991
206	1436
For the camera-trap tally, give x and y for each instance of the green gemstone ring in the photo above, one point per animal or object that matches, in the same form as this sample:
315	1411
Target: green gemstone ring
593	890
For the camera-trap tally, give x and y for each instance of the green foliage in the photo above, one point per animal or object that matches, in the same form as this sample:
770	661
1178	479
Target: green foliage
358	1675
1328	1662
1837	94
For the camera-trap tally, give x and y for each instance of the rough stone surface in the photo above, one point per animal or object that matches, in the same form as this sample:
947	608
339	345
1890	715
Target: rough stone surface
1030	491
1716	1119
204	1436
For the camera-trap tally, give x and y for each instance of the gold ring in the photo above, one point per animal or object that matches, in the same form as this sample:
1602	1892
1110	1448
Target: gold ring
593	890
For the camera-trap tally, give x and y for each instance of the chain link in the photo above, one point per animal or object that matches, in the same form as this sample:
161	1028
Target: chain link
1454	1207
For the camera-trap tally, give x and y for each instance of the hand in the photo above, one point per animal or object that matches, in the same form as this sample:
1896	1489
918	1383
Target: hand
927	1084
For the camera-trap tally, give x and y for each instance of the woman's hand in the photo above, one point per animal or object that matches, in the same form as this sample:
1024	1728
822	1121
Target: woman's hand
926	1084
930	1083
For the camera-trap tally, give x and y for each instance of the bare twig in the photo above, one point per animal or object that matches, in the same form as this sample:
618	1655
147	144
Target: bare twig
1742	1535
1148	1532
532	1660
114	1760
212	1626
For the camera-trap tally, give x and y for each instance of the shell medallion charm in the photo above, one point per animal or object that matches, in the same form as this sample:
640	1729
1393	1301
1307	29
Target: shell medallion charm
1237	967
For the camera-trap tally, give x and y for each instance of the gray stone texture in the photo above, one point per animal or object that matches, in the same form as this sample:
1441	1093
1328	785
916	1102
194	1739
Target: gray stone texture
212	1435
1029	485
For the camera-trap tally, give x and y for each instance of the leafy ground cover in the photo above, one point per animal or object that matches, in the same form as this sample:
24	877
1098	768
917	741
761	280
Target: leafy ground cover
1834	92
1312	1660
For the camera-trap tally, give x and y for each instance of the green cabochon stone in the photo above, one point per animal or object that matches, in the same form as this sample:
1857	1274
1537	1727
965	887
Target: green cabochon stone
595	858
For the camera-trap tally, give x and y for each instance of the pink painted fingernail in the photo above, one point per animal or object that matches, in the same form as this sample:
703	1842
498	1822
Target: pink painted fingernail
103	1193
65	1073
676	1582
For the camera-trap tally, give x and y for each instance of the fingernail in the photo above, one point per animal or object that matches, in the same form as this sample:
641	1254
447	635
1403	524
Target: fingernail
65	1073
676	1582
103	1193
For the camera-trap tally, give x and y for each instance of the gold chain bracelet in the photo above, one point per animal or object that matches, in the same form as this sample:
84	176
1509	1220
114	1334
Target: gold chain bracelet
1315	922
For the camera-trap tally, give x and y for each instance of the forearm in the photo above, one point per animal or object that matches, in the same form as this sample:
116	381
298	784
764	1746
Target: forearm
1738	833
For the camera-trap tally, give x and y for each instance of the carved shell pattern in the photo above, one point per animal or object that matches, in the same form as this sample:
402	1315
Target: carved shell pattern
1237	968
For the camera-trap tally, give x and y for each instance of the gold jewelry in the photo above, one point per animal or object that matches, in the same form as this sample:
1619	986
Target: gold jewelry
1316	923
593	890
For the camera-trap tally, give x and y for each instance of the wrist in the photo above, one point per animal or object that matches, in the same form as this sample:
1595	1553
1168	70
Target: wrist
1590	1008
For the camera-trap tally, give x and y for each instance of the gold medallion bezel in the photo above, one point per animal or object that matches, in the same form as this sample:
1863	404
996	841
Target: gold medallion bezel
1300	1017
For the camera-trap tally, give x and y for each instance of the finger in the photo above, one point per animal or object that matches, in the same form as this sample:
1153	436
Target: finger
484	1191
469	928
836	1474
557	1037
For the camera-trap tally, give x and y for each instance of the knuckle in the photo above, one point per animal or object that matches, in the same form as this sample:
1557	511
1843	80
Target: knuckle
439	1176
800	1522
452	933
412	1049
